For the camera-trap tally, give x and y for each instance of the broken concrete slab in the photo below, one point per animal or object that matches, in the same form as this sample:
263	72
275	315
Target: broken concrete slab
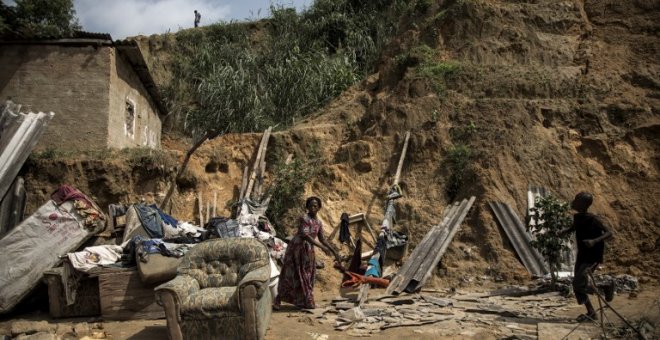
437	301
556	331
38	336
31	327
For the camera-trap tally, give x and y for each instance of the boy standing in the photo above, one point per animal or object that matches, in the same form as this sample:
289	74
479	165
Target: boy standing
590	235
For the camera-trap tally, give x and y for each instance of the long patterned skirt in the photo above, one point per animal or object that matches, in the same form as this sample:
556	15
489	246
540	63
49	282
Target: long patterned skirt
296	285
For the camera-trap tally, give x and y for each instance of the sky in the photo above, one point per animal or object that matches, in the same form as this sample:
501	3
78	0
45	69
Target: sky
125	18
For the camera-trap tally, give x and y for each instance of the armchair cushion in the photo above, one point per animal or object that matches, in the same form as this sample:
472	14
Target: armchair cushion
210	303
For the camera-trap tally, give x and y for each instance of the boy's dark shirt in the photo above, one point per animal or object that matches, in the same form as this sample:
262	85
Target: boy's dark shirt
587	227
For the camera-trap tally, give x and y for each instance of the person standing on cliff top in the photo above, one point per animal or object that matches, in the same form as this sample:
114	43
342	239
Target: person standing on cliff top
198	18
590	234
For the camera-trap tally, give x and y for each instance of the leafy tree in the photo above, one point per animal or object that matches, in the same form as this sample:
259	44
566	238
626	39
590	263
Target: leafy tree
39	19
549	218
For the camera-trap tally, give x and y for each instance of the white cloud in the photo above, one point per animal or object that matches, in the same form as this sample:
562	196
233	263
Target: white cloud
122	18
125	18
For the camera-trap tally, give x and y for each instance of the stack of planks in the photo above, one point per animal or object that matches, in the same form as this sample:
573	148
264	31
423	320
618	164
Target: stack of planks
419	266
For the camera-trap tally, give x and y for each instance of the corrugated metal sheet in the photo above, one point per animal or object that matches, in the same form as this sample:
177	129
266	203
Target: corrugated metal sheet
12	206
534	192
419	266
519	237
20	132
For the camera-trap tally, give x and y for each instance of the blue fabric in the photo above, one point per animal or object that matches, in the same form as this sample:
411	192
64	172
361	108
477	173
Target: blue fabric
151	246
151	220
165	217
373	268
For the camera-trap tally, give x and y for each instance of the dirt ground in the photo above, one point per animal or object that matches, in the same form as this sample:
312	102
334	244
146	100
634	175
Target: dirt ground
290	323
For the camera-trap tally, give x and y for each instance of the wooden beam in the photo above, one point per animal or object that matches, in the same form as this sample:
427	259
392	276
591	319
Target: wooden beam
244	182
257	162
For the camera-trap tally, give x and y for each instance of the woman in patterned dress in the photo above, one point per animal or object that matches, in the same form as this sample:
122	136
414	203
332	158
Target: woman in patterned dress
296	285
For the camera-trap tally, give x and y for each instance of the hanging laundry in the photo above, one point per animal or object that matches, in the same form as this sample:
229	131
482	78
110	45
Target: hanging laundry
344	232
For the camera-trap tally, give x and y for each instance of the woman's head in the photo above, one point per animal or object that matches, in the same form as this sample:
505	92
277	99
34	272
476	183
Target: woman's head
313	204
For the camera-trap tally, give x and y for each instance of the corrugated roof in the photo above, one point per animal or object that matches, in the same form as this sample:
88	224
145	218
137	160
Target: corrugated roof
519	238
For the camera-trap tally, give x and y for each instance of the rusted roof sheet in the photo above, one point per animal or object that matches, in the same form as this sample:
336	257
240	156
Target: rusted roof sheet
419	266
515	231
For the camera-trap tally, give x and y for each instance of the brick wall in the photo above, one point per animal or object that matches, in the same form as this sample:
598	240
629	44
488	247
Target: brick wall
73	82
88	88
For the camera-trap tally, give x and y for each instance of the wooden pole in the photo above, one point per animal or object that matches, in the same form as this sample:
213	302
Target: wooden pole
243	183
199	209
262	166
403	156
215	203
208	211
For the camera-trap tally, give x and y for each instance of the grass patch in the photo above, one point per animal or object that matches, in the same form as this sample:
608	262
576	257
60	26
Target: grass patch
149	159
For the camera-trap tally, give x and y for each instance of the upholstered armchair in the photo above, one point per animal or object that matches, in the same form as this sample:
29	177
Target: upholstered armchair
220	292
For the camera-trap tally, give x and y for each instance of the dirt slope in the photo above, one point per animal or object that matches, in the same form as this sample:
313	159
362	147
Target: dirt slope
563	94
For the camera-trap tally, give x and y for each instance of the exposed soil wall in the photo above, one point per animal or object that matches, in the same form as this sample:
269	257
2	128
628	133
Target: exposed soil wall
563	94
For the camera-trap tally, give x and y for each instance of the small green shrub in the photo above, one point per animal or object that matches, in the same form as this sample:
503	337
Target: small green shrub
549	218
463	133
459	158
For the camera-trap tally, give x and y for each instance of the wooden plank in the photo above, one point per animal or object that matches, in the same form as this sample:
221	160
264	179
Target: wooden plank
363	296
359	217
371	231
87	296
430	263
124	297
402	278
257	162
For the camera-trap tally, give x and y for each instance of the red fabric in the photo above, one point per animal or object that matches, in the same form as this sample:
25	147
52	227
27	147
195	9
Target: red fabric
67	193
296	285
